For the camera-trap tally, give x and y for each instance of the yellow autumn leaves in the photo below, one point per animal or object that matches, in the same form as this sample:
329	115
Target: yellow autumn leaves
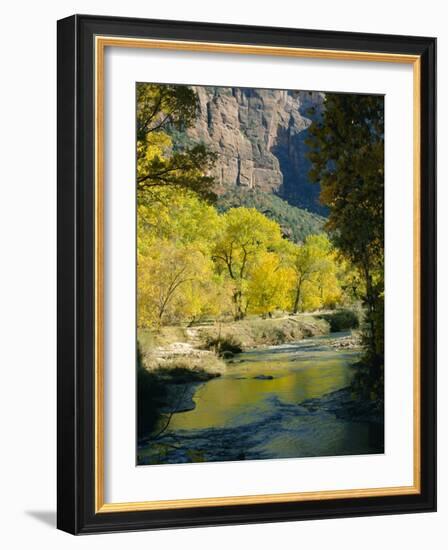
194	263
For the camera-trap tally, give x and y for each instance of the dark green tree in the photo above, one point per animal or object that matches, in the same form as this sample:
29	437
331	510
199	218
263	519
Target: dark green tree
161	108
346	149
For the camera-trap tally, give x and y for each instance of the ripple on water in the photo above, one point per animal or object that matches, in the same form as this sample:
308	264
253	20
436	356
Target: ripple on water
247	415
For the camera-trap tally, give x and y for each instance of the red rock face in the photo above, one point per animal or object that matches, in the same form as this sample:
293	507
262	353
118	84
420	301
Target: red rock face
259	137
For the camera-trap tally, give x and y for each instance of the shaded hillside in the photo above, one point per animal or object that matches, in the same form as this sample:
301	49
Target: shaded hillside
296	223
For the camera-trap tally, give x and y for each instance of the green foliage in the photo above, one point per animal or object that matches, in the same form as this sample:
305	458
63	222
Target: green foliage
161	107
344	319
162	104
295	223
347	155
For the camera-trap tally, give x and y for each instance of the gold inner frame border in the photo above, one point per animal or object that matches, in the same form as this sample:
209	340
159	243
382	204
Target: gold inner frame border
101	42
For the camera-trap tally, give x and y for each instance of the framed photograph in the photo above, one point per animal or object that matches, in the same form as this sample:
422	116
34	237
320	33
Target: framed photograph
246	274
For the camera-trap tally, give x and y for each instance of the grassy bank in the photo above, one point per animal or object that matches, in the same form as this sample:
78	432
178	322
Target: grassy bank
245	334
204	347
172	361
255	332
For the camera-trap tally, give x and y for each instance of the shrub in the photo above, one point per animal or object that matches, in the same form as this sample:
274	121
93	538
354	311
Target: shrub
343	319
222	345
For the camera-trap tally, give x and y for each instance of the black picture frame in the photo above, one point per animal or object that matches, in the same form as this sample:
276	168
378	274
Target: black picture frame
76	286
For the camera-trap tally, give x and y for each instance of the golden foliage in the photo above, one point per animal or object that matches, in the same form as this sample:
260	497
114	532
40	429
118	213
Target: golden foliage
195	263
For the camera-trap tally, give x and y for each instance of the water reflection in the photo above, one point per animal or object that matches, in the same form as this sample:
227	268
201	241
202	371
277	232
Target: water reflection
245	415
238	396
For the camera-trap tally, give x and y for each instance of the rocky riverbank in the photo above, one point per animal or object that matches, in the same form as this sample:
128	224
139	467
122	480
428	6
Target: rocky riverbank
175	361
204	347
350	342
292	400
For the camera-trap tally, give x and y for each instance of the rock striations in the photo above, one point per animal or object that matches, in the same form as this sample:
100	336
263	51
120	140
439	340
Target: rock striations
259	137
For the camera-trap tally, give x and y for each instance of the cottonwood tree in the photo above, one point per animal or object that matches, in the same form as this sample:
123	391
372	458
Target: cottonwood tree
244	236
314	268
175	273
170	281
268	284
347	156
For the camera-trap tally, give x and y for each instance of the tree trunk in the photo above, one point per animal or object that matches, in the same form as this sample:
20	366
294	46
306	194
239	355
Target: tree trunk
295	308
370	300
237	299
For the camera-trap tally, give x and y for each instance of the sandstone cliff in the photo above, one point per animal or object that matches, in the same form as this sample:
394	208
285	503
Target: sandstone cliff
259	137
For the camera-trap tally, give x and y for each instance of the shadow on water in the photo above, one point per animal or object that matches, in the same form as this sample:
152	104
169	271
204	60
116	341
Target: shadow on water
261	409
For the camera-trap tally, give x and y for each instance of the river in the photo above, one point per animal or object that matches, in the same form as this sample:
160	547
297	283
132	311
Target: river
261	408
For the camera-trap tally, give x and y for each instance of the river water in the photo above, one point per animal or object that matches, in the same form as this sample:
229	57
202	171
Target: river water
260	409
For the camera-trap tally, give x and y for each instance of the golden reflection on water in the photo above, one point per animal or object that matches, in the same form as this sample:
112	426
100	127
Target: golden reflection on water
238	398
